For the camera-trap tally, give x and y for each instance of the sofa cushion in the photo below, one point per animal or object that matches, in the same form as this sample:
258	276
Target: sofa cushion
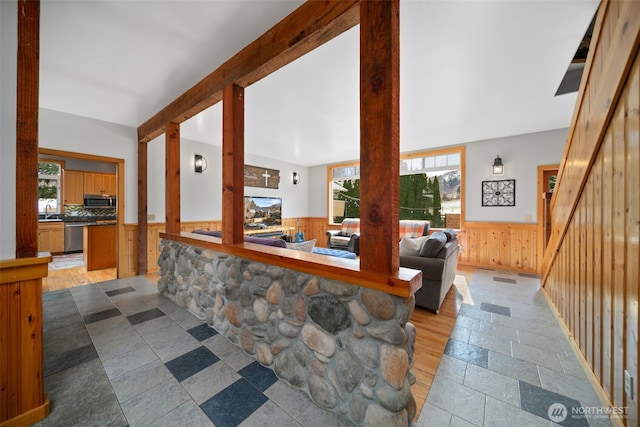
432	246
411	247
350	226
302	246
340	241
451	234
413	228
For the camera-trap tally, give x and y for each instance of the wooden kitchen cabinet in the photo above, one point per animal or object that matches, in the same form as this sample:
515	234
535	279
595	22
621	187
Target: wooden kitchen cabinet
51	237
99	183
73	187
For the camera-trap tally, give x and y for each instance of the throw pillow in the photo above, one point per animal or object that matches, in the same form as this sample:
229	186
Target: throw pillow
302	246
434	243
411	247
451	234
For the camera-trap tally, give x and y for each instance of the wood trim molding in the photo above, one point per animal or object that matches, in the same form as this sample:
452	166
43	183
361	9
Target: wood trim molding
21	269
120	175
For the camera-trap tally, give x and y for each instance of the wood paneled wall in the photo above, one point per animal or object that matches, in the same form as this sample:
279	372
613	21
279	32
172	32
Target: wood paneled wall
508	246
22	397
591	263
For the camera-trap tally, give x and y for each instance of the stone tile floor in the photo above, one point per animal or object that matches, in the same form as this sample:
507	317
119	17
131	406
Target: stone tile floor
118	353
508	362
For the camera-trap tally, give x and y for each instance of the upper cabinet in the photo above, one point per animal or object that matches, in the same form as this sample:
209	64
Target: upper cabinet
99	183
77	183
73	187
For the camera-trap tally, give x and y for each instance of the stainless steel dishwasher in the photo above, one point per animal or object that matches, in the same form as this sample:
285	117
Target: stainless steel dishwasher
73	236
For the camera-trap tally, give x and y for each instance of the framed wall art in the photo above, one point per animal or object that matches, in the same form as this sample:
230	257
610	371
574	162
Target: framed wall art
499	193
257	176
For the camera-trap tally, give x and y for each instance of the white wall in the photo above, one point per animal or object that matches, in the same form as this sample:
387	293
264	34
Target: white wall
521	155
201	193
8	64
67	132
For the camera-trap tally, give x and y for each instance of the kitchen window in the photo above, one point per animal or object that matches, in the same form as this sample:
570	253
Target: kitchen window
49	186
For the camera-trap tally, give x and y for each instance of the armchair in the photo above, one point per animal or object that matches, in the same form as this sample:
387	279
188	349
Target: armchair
346	238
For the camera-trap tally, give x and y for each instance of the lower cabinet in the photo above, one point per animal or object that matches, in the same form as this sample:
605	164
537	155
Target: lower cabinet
51	237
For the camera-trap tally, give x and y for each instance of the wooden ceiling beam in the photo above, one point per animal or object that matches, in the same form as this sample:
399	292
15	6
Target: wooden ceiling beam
311	25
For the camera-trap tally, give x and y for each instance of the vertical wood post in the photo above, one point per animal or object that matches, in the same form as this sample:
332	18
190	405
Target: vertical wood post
27	128
233	164
143	197
172	176
379	135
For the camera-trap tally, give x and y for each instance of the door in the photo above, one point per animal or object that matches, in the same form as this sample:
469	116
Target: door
546	184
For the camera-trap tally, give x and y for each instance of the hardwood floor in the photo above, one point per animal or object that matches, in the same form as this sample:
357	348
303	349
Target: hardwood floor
432	333
77	276
432	330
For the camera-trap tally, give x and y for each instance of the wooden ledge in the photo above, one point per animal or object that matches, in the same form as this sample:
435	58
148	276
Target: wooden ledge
21	269
403	284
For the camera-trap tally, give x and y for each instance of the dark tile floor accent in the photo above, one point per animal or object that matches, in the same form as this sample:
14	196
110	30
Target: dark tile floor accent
547	404
494	308
530	276
505	280
101	315
467	352
182	367
202	332
120	291
144	316
261	377
233	404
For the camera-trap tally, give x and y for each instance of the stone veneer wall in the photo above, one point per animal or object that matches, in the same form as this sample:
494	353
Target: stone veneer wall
349	348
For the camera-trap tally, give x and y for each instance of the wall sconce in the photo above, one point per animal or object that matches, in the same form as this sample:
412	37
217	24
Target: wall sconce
296	178
498	167
200	163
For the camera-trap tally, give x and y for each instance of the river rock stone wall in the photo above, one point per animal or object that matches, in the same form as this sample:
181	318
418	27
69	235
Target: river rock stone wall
349	348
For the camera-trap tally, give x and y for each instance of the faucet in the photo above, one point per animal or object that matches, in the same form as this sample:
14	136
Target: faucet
46	211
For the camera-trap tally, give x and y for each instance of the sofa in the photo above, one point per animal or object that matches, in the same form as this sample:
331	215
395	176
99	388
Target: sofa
347	238
437	257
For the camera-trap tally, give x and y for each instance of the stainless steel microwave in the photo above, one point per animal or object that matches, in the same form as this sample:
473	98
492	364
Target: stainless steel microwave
99	201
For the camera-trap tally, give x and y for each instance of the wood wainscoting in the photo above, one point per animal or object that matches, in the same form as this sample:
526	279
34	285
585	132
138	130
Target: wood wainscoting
508	246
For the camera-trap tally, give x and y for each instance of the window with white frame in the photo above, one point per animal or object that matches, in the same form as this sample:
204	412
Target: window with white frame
430	188
49	186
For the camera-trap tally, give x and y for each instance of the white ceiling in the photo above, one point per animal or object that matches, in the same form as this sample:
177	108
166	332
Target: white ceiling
470	70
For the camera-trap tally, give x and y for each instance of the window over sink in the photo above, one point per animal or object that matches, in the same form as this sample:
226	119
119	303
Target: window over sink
49	185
